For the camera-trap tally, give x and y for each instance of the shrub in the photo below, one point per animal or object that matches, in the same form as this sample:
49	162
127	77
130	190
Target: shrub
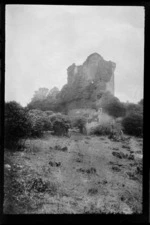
17	124
40	122
111	105
101	129
90	126
60	128
133	124
134	108
47	125
115	108
56	116
79	122
60	124
37	126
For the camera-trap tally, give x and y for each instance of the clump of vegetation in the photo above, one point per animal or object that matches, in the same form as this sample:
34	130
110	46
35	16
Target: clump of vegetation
134	108
115	168
79	122
40	185
121	155
101	129
59	148
60	128
112	105
133	124
54	164
57	123
92	170
44	99
40	122
60	124
17	124
92	191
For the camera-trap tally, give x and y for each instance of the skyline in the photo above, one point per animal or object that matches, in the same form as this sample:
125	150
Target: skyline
43	41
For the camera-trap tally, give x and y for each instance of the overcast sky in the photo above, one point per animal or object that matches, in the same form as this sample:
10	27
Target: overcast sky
43	41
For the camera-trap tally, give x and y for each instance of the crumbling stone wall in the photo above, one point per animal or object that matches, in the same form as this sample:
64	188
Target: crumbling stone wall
87	81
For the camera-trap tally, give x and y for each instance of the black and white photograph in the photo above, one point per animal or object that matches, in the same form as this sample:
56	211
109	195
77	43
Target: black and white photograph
73	109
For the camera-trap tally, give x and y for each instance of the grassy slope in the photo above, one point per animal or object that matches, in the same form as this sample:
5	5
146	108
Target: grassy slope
69	184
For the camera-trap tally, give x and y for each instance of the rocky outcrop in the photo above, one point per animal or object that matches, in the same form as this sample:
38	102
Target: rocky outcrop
86	84
94	70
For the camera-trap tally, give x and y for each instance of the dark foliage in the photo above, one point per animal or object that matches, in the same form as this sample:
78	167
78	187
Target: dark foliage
60	124
134	108
79	122
115	109
141	102
102	129
133	124
17	123
40	122
112	106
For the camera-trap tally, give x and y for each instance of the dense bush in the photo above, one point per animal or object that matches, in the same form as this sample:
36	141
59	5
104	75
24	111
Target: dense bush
40	122
56	116
133	124
17	124
49	113
79	122
102	126
60	128
60	124
134	108
115	109
101	129
111	105
37	125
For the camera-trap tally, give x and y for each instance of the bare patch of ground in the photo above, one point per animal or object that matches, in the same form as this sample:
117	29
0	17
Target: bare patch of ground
80	174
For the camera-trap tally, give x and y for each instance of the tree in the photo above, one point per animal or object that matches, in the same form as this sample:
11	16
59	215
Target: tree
115	109
17	123
112	105
40	94
40	122
133	124
133	108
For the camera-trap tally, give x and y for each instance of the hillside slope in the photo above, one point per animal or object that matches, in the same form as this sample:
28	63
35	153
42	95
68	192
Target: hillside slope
81	174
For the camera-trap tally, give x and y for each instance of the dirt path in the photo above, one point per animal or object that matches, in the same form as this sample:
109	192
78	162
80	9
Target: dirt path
82	175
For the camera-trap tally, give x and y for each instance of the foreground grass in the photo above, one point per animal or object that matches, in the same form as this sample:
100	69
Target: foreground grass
80	174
